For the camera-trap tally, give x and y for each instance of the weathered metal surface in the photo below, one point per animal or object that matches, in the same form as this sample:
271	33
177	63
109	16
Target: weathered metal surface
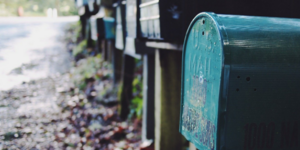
203	60
240	83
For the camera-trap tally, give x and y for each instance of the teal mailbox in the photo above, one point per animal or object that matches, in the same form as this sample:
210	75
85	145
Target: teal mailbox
102	28
106	28
241	83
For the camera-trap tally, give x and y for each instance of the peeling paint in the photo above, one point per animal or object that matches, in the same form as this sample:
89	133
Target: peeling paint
202	73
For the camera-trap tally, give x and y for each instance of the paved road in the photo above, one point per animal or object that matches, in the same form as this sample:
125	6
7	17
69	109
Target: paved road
32	48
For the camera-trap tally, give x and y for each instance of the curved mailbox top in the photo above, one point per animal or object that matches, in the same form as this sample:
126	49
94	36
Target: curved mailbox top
80	3
240	82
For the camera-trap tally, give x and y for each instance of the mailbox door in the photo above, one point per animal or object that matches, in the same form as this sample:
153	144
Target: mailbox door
201	81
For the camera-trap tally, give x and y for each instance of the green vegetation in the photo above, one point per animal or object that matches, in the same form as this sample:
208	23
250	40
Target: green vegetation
86	69
137	101
80	48
94	70
37	7
73	32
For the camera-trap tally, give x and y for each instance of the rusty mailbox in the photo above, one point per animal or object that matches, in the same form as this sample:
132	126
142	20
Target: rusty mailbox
241	83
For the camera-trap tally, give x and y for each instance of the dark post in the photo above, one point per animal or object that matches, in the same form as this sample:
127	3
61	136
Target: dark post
110	47
148	97
104	49
117	64
83	25
127	77
167	99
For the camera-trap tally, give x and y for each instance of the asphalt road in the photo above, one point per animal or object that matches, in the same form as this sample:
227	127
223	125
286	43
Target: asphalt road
34	65
32	48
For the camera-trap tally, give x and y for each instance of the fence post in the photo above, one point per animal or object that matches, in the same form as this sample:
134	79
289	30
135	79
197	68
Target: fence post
117	65
148	97
167	99
127	77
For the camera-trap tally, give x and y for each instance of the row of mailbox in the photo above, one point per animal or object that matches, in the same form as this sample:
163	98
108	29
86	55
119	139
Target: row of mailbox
137	21
121	28
240	74
168	20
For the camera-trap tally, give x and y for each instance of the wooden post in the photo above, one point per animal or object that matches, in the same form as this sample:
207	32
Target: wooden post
110	45
117	65
83	25
104	50
148	97
127	78
98	46
89	37
167	99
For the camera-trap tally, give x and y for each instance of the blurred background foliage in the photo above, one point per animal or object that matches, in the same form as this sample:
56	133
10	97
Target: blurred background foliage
37	7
